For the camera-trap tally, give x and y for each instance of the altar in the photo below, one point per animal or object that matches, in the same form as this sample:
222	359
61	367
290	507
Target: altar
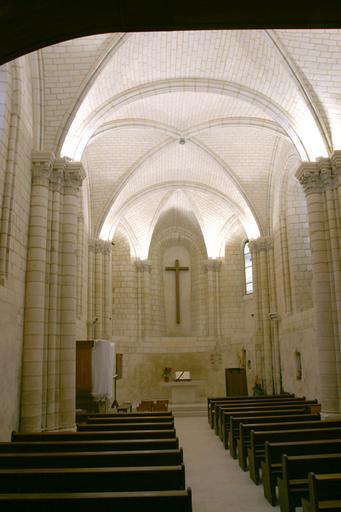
183	391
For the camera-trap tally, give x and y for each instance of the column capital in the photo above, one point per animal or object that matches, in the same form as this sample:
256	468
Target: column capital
143	265
213	264
336	161
57	175
100	246
42	164
308	175
263	243
74	174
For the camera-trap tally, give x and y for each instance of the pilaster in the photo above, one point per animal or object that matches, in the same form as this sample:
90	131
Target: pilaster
213	267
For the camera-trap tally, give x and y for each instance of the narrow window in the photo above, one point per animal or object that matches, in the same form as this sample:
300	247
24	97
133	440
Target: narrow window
248	269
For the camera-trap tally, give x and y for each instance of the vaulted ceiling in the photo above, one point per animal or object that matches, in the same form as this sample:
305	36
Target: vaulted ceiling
194	121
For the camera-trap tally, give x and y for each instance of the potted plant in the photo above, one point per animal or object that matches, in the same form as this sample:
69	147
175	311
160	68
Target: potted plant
166	373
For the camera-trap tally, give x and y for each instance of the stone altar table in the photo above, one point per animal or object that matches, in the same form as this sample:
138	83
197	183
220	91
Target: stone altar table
183	391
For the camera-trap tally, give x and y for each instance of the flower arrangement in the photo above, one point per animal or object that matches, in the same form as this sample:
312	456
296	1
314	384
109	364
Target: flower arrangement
258	388
166	373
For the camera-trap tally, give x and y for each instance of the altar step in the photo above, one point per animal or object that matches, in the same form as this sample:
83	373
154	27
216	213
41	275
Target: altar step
190	409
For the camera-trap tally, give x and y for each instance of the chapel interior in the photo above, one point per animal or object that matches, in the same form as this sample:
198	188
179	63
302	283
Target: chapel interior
178	193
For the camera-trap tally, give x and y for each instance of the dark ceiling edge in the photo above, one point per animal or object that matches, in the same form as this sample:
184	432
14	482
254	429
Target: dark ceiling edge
27	25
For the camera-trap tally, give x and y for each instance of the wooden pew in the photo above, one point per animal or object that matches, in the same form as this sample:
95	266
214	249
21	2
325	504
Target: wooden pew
86	445
324	493
244	441
212	400
308	405
293	485
216	406
272	465
82	417
91	459
144	478
133	419
136	501
275	417
93	435
256	452
265	406
227	417
86	427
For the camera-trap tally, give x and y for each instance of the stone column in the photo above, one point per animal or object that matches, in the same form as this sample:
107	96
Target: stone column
52	306
34	324
91	289
73	178
108	291
99	287
213	267
143	269
102	286
262	252
321	184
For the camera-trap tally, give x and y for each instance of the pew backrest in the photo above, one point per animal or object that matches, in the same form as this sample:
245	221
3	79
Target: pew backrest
134	501
93	435
91	459
144	478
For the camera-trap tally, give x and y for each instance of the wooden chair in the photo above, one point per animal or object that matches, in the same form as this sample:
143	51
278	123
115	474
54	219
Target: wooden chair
160	405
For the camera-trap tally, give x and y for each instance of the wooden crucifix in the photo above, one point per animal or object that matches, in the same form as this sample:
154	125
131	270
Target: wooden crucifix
177	269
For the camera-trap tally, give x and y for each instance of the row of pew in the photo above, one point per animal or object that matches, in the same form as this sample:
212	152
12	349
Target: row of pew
285	445
114	462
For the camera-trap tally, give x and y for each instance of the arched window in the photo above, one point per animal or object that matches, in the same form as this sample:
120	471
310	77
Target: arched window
248	269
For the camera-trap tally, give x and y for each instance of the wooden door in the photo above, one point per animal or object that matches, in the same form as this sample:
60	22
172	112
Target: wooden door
235	379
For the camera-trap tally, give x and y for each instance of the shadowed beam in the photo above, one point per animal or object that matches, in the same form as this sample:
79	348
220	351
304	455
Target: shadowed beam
26	25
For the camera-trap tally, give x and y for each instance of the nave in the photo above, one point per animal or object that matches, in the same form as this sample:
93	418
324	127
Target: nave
218	484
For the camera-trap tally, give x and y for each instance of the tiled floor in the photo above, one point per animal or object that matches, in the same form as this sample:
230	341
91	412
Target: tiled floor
218	484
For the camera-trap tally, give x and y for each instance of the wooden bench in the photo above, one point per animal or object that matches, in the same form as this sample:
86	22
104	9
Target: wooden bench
99	445
227	416
93	435
138	501
91	459
274	417
293	485
251	404
130	419
264	406
86	427
272	465
82	417
212	400
244	441
324	493
256	452
144	478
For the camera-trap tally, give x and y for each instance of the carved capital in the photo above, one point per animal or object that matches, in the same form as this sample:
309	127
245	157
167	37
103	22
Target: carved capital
57	177
213	265
42	164
336	164
143	265
263	243
74	175
308	174
103	247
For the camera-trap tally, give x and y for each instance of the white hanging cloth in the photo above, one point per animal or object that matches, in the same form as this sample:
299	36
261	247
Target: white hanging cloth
103	369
